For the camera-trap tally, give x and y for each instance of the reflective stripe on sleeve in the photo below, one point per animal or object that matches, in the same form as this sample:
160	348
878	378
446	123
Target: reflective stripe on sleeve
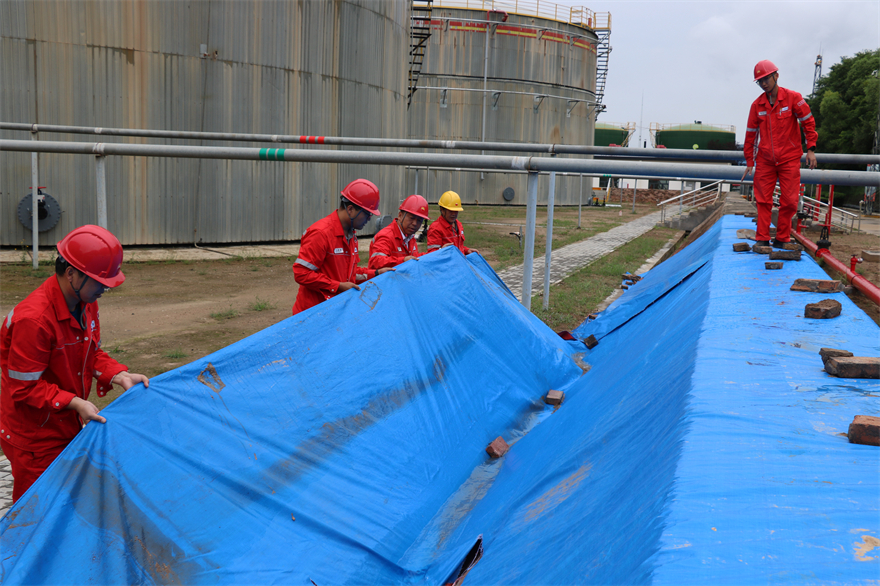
28	376
360	277
306	264
9	317
378	254
805	117
433	246
751	130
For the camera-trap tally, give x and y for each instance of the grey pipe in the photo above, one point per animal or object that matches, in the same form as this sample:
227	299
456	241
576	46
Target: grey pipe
562	149
35	209
492	162
548	249
529	260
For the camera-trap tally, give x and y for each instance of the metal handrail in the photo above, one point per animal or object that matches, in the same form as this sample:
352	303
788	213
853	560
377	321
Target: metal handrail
682	195
698	197
821	208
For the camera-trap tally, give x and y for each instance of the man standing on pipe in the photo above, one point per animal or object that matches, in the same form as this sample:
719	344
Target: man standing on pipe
328	254
775	121
396	242
50	349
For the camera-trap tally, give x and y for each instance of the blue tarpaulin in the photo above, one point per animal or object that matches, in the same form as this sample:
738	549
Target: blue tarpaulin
699	442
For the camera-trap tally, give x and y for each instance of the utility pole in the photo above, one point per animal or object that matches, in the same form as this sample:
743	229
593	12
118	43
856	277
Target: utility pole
817	73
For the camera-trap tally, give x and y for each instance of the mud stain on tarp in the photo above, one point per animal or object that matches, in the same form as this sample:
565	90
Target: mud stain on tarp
215	383
370	295
29	509
556	495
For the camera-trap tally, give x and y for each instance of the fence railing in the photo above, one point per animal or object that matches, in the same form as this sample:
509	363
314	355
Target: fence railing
818	211
685	202
576	15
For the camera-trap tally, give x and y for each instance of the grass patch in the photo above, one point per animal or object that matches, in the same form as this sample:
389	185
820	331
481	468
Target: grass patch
581	293
175	354
261	305
221	315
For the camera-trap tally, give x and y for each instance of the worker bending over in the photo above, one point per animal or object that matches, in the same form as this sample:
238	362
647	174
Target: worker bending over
396	242
775	121
446	230
328	255
50	349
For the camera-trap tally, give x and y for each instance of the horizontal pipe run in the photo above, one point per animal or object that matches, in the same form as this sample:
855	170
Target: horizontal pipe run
586	166
562	149
870	290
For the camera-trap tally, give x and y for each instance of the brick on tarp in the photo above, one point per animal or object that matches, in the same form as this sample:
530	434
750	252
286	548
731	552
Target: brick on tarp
775	265
591	341
498	447
741	246
865	430
825	309
745	233
817	286
828	353
785	255
554	397
762	249
791	246
854	366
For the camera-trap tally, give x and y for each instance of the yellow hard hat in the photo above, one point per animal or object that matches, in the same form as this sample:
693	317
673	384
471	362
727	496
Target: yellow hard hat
450	201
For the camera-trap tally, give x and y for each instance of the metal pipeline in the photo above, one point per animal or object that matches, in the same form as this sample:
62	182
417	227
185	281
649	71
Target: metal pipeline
870	290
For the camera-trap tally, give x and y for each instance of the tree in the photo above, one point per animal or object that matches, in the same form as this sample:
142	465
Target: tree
845	106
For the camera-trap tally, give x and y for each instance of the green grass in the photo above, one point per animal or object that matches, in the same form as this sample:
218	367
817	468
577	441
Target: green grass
581	293
261	305
228	314
175	354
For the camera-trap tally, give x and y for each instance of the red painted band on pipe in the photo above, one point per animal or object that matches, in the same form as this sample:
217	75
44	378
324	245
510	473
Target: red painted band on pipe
303	139
320	139
870	290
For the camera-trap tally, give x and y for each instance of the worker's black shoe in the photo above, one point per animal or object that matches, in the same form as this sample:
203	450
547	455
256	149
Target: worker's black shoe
778	243
762	243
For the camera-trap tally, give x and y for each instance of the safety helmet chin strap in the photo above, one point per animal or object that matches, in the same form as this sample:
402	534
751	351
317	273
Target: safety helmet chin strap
83	284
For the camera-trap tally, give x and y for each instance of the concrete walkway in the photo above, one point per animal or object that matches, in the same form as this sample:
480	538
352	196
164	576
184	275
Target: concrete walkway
568	259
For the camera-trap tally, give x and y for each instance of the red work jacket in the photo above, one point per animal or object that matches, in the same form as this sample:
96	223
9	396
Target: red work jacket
441	232
47	359
388	247
326	258
776	128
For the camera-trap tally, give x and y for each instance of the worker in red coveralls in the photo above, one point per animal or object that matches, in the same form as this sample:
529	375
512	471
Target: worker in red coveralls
396	242
328	254
50	348
446	230
775	121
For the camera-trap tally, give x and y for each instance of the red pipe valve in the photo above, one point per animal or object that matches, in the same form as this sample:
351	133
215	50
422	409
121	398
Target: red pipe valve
853	261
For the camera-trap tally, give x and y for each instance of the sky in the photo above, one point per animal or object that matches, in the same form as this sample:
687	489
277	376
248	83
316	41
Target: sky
694	60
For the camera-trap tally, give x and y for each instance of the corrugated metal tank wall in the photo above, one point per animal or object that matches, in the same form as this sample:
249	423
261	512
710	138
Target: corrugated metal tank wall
335	68
561	63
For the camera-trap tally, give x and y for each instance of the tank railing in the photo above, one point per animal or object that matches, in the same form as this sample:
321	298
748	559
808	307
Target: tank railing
538	98
559	149
845	220
591	38
701	127
702	196
586	166
576	15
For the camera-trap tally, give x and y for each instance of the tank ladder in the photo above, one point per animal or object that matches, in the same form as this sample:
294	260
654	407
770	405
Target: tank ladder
419	32
603	52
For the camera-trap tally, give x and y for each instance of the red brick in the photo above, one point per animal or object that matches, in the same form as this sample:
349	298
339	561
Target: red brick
741	246
498	447
854	366
828	353
865	429
792	246
762	249
773	265
817	286
825	309
591	341
554	398
785	255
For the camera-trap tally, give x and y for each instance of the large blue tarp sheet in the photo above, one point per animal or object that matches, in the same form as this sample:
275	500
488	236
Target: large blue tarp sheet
346	444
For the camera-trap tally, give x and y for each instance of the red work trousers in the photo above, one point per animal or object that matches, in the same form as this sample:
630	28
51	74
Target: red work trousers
27	466
766	175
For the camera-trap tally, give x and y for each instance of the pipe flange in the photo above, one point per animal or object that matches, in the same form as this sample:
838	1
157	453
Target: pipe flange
48	210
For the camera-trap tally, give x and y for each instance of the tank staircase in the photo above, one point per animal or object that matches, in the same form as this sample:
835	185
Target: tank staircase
603	52
419	33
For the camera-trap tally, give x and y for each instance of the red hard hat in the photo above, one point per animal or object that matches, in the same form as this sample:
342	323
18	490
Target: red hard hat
764	68
94	251
415	205
363	193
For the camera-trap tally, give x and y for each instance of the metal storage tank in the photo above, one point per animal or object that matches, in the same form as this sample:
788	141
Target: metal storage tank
334	68
540	70
694	136
608	133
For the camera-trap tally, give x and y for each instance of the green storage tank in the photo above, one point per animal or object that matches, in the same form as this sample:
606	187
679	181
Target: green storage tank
608	133
695	136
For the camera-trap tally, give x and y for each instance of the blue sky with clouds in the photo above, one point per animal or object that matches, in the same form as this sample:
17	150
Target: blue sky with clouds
694	60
